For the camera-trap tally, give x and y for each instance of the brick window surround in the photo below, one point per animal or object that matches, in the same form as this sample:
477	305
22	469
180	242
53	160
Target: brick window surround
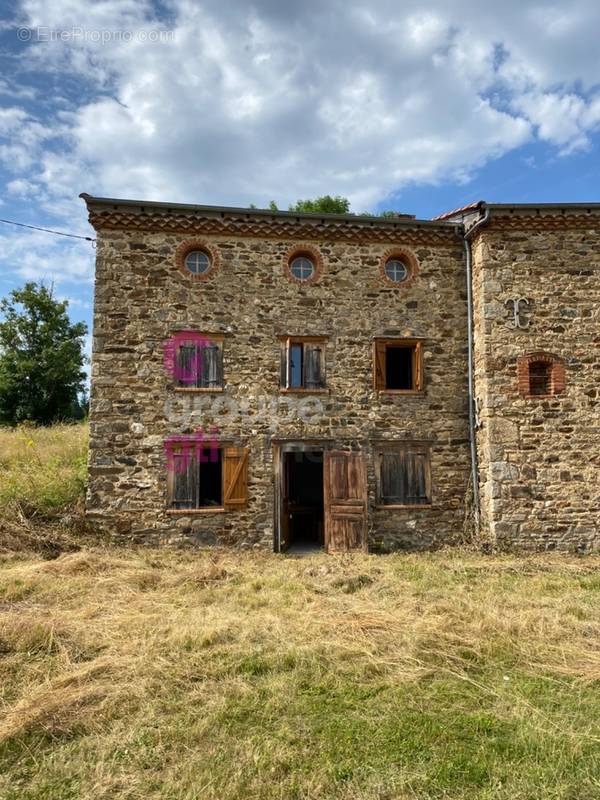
310	252
408	258
530	369
185	248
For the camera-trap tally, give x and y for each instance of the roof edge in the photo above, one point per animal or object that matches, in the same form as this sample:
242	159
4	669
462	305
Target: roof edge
114	203
482	205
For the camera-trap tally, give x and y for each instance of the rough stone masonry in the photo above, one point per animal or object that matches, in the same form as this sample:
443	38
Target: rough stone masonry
371	289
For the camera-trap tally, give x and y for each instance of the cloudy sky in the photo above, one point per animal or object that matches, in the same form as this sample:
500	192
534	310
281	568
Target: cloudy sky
419	107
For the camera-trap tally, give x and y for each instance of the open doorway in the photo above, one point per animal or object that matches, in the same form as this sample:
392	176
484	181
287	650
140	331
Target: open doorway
302	523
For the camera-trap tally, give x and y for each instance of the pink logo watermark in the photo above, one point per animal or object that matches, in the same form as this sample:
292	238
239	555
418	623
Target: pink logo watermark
182	356
182	450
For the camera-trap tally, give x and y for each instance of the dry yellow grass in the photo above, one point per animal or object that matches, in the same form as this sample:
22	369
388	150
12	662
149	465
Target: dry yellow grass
42	469
42	479
148	674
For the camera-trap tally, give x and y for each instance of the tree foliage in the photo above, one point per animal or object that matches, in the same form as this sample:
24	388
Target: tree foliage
328	205
323	205
41	358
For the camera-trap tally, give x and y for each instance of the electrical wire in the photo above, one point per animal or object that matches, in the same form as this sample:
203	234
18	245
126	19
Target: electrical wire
47	230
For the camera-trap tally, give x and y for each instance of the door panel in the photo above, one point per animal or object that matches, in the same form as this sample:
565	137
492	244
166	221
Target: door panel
345	490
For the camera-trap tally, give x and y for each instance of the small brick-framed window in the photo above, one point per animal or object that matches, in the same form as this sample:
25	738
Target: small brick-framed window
303	264
399	267
398	365
196	361
303	363
197	259
403	474
205	476
540	374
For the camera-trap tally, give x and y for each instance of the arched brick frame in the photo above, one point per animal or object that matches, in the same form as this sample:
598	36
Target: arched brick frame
557	373
408	257
197	244
303	250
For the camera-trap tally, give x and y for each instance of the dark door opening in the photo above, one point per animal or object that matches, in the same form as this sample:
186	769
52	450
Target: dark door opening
303	500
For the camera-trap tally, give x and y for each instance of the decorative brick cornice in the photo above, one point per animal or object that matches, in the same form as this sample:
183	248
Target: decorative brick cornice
273	227
541	222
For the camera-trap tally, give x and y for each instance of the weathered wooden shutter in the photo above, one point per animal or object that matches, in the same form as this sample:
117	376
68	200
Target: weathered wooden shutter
345	494
285	356
379	365
422	472
210	376
418	366
404	477
392	474
186	364
183	479
235	477
313	366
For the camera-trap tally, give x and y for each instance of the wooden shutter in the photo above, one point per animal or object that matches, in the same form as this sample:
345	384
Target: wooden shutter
235	477
183	479
418	367
285	356
187	365
345	493
422	471
210	376
404	476
312	377
391	476
379	364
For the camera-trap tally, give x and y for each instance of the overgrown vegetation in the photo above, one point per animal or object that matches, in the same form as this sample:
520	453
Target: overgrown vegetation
42	485
220	675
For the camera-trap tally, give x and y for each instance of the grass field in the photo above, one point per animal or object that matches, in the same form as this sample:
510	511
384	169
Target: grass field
42	469
219	675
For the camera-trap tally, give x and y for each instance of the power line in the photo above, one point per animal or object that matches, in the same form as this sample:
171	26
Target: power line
47	230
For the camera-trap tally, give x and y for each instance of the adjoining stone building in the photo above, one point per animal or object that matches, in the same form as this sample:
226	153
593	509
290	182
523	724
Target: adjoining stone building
280	380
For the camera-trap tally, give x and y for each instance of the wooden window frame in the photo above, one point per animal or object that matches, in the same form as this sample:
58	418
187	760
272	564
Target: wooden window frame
380	345
217	338
231	477
419	447
285	343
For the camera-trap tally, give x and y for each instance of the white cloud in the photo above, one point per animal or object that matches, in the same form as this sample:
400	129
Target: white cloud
36	256
253	101
565	120
21	188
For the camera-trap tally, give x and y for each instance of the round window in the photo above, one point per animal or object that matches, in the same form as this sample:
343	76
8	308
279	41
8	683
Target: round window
396	270
197	262
302	268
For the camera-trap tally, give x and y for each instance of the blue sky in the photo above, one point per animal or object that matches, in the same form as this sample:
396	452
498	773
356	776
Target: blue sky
412	106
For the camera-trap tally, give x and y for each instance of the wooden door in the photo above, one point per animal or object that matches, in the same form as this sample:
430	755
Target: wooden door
345	489
282	510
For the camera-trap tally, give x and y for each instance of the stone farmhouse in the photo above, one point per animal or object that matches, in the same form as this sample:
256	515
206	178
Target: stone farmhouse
282	380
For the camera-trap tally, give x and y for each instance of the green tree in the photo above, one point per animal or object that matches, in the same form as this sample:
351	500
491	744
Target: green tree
323	205
41	358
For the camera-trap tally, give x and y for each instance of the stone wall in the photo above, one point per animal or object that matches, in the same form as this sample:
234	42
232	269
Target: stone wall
539	457
142	298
